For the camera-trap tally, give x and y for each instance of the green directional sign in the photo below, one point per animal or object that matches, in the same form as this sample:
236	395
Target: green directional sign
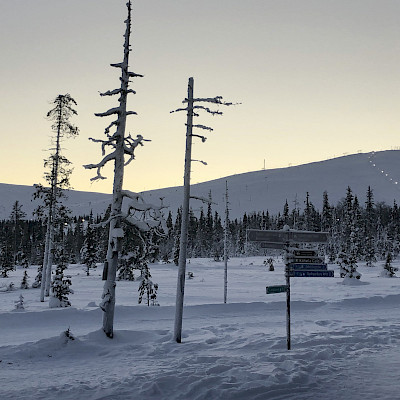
276	289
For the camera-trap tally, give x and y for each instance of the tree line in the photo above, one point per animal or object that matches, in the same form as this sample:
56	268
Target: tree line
364	229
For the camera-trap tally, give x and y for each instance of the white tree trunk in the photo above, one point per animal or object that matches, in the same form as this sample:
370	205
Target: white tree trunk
115	241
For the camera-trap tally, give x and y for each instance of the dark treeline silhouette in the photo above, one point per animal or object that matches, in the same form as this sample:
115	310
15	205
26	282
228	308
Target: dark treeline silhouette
368	231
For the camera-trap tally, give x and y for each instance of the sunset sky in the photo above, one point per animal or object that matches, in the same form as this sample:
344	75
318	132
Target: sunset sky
316	79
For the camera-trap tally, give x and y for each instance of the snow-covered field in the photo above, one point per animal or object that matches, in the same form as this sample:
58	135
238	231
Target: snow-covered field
345	339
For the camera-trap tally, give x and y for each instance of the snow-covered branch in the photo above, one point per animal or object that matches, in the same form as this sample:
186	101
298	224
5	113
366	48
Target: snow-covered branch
104	143
111	111
100	165
130	145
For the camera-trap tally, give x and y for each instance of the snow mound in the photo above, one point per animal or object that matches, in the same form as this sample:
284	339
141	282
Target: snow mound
353	282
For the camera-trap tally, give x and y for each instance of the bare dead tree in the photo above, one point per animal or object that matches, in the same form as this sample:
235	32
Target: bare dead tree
194	105
121	146
57	178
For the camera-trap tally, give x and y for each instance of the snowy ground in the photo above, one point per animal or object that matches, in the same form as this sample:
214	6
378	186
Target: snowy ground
345	339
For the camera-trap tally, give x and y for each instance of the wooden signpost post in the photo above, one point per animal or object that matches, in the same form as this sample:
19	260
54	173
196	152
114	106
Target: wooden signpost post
298	262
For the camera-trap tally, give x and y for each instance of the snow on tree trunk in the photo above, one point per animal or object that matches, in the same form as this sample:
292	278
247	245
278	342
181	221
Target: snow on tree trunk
121	146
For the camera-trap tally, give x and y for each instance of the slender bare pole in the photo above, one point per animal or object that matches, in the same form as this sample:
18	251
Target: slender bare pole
180	290
226	244
287	275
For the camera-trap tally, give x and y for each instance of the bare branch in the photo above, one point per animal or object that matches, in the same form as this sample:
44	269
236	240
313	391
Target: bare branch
207	128
115	91
208	110
118	65
203	138
203	200
179	109
134	75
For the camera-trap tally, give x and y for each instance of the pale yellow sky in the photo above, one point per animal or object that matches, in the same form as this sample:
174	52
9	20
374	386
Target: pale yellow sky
316	78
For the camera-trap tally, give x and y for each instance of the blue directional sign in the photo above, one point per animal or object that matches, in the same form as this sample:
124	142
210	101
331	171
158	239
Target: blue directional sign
304	266
311	274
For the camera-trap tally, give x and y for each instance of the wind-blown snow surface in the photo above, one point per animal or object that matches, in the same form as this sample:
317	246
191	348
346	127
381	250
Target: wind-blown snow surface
345	339
255	191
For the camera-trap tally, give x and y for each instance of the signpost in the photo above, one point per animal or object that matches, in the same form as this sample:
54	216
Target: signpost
284	236
299	262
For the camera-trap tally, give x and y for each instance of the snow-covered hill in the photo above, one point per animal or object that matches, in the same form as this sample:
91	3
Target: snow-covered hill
256	191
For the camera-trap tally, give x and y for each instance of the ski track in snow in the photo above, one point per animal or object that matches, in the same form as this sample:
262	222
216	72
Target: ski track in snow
344	345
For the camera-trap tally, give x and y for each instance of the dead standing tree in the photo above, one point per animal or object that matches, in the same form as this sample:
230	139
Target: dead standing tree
191	109
121	146
58	178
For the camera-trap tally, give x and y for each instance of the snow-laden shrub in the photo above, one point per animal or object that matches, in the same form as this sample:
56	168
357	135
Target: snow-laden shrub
388	269
348	266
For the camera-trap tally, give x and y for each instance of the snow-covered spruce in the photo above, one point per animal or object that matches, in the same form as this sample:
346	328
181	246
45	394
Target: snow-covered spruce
348	266
19	304
60	285
147	289
89	248
388	269
24	282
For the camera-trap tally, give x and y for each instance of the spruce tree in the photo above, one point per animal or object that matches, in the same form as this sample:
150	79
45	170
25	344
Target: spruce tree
348	266
89	248
6	258
19	304
61	283
17	215
388	269
147	289
24	282
369	238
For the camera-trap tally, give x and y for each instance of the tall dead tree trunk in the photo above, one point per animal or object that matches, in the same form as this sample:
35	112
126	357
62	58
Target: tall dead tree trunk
191	109
60	114
121	146
180	290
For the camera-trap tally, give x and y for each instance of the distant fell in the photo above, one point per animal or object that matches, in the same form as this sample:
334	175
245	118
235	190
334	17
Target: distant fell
255	191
